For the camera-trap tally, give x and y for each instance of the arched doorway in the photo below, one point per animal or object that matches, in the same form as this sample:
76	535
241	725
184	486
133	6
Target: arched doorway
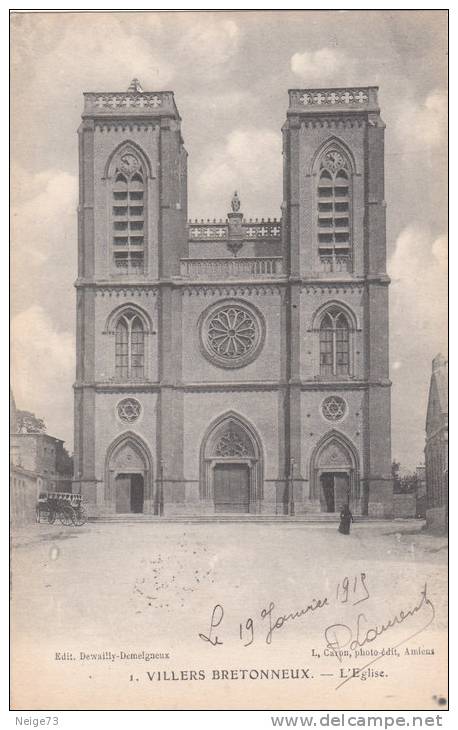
335	473
128	485
231	466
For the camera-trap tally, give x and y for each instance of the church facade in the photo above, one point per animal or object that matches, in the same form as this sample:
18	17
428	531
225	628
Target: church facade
236	366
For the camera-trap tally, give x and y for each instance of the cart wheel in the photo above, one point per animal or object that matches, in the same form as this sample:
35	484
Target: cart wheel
52	516
79	516
66	515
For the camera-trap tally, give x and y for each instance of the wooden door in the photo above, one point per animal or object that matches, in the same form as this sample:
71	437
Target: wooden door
136	493
122	486
341	494
231	488
327	493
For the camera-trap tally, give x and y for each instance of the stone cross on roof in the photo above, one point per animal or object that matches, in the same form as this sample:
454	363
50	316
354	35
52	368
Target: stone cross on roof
135	86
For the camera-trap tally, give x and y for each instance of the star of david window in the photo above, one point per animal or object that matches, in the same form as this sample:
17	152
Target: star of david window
334	408
231	334
129	410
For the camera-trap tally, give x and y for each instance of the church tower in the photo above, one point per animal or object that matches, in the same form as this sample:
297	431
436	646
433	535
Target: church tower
335	256
131	234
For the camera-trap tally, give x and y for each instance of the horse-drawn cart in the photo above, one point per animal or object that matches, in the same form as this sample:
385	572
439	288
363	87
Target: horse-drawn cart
64	506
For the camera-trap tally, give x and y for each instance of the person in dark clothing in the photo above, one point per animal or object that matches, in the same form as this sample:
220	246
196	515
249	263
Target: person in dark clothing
346	518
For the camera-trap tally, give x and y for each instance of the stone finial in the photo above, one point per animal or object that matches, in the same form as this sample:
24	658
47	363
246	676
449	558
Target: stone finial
135	87
235	203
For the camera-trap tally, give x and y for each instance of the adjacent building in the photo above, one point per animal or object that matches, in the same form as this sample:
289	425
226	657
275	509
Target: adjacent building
436	449
232	366
38	463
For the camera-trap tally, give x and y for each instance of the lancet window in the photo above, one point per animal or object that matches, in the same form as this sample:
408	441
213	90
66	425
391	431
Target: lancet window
129	347
334	211
128	215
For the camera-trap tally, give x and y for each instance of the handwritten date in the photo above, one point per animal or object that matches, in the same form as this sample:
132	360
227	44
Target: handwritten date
351	590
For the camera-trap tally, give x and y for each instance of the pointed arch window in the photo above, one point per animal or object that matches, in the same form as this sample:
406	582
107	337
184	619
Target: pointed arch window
130	347
333	214
334	345
128	215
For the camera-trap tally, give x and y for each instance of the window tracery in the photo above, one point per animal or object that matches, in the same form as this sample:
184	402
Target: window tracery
128	214
233	443
334	408
334	335
231	334
129	347
129	410
334	197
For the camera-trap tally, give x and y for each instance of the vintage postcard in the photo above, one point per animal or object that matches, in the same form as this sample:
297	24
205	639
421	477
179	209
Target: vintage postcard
229	417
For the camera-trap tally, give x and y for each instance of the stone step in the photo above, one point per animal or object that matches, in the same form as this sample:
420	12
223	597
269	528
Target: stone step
238	518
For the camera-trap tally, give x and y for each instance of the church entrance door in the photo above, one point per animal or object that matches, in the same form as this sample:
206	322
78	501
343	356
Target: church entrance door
231	488
129	493
334	491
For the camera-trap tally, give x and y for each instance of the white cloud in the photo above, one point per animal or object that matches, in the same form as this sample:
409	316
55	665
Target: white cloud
44	212
210	44
223	101
249	161
326	65
418	268
418	316
44	242
424	123
103	53
43	362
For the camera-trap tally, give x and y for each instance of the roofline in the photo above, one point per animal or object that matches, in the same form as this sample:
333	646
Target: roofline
131	93
38	433
332	88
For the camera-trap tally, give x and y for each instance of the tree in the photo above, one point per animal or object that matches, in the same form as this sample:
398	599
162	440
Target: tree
64	462
406	484
28	422
395	467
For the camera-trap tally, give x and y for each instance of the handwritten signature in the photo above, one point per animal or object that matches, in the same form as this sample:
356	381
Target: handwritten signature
340	636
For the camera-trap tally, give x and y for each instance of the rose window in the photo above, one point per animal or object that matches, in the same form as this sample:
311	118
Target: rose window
334	408
129	410
231	334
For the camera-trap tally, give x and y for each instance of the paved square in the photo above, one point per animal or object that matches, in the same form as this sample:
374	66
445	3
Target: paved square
124	589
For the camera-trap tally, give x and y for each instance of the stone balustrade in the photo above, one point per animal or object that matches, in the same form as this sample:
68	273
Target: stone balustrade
202	230
137	103
231	268
334	99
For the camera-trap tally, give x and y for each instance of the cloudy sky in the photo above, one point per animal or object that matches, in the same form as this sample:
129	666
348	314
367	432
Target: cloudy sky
230	73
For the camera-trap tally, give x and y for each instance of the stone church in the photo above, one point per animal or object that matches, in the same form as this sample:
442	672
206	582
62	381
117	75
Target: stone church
232	366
